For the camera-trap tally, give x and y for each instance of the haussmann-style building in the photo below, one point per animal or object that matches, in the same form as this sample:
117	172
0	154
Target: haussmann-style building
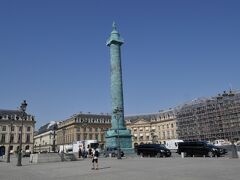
152	128
10	131
45	138
83	126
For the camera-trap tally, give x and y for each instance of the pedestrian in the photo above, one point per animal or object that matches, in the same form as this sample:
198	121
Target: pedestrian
84	153
95	159
79	153
90	153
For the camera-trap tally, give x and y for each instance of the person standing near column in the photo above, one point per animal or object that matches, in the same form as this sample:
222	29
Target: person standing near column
95	159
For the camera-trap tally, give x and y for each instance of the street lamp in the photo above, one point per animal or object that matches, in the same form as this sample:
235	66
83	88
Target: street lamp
9	144
23	110
234	148
63	132
84	125
54	137
63	140
117	113
40	144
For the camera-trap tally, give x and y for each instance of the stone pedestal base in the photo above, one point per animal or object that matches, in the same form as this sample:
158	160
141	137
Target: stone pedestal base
112	137
45	158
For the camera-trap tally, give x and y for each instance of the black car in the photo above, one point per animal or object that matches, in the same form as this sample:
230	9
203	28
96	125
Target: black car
198	148
221	150
153	150
112	151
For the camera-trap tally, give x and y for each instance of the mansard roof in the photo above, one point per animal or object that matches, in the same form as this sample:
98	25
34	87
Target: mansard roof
10	112
92	115
47	127
7	114
161	115
145	117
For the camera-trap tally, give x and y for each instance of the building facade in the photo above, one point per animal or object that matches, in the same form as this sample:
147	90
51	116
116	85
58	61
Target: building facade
83	127
10	130
152	128
45	138
210	118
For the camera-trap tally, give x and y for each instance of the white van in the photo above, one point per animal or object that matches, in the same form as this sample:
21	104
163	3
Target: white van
173	144
221	142
74	147
68	148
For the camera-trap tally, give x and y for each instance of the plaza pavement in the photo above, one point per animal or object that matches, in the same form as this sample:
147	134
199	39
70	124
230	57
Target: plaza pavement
133	168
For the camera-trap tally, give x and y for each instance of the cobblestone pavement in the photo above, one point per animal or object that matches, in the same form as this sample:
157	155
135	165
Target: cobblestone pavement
133	168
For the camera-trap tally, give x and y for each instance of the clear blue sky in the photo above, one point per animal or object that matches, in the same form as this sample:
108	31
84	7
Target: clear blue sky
53	53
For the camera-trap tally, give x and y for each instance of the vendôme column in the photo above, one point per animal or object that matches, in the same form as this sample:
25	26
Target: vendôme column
118	130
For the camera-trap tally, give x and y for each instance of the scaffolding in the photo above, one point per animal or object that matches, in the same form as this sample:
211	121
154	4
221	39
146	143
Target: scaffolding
211	118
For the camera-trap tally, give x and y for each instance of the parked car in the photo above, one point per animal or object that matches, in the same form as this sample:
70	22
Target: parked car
199	148
237	143
153	150
26	153
220	149
112	151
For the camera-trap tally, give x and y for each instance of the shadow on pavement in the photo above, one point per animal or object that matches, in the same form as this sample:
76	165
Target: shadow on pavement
104	168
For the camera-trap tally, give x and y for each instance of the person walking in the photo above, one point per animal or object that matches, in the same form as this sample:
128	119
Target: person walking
79	153
90	153
95	159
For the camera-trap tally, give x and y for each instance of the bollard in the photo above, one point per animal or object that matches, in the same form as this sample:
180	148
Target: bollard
234	151
182	154
62	156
